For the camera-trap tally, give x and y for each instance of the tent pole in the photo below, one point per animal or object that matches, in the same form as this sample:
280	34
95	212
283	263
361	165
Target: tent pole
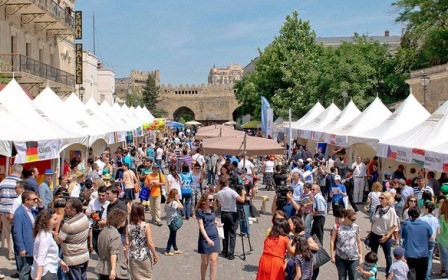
7	166
244	153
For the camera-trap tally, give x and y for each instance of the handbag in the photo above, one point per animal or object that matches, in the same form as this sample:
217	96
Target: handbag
176	224
144	194
321	256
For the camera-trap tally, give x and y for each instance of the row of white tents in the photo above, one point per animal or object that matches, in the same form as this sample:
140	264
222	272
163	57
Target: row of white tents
52	125
409	135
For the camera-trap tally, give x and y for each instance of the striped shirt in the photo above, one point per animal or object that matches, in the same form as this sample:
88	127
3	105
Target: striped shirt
419	192
8	193
74	233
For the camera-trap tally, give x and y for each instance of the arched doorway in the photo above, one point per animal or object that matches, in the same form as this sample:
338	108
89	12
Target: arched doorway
183	113
237	113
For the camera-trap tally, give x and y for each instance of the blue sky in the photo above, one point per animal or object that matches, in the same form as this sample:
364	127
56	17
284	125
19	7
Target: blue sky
184	39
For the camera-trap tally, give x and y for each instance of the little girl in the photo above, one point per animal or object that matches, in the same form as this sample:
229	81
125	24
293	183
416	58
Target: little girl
303	259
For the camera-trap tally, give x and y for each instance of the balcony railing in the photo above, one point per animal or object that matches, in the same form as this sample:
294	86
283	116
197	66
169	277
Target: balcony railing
57	11
21	63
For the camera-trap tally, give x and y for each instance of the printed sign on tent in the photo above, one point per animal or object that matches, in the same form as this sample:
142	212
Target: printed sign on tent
37	150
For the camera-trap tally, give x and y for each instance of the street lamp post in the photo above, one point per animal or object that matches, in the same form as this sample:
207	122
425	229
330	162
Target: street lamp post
114	95
81	92
424	79
345	95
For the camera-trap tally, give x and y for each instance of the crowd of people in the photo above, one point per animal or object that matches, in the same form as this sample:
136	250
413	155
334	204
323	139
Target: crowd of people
50	230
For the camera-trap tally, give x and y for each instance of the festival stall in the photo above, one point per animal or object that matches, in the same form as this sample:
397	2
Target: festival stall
315	111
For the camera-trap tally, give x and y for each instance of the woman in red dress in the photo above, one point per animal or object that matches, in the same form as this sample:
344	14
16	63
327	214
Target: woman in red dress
271	265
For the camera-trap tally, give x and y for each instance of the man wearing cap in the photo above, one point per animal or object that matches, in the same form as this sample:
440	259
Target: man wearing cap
405	189
359	174
337	194
45	194
421	187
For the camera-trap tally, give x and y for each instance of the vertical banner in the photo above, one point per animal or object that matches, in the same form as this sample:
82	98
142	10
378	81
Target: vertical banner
78	25
269	124
79	70
265	118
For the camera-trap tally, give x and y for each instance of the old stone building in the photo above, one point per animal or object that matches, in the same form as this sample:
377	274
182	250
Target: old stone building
134	83
205	103
436	92
37	44
226	75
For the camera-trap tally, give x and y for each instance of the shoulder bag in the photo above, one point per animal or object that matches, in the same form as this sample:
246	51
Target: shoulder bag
320	257
176	223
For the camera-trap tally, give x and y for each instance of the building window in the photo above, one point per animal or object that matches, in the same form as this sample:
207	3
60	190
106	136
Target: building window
41	55
28	49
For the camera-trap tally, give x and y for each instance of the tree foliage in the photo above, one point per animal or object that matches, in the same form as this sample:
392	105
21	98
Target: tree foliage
284	71
295	72
134	99
425	38
150	93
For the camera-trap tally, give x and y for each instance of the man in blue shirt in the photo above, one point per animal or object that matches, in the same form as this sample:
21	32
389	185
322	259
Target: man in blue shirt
416	234
32	183
45	194
337	194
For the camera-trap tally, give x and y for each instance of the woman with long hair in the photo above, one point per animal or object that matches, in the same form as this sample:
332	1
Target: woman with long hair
271	265
345	246
45	251
303	258
172	205
174	181
385	222
411	201
108	168
74	188
139	244
374	198
111	258
208	241
225	172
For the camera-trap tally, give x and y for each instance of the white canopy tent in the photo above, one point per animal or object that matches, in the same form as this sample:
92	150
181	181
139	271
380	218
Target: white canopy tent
407	116
22	109
321	120
131	121
67	116
374	115
310	115
411	146
347	115
114	117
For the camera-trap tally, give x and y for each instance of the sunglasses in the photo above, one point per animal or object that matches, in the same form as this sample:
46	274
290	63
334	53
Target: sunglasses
381	198
412	200
313	189
211	200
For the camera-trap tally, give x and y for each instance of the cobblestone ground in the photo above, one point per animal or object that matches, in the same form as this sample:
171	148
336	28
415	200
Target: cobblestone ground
186	265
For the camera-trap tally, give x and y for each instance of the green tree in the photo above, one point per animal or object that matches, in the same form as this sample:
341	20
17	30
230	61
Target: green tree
425	39
134	99
150	93
363	68
285	72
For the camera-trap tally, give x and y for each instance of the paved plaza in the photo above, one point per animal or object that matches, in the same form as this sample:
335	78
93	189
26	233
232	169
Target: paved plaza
186	265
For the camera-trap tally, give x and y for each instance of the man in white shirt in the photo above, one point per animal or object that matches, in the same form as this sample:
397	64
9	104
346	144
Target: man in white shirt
97	206
198	157
359	174
159	155
249	168
101	164
297	187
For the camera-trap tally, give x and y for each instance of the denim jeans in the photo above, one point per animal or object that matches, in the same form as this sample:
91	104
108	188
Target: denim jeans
159	163
171	241
210	177
77	272
244	230
387	249
444	253
432	244
186	201
308	223
346	268
24	266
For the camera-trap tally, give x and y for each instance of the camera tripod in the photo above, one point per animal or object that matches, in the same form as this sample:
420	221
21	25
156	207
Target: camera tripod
242	218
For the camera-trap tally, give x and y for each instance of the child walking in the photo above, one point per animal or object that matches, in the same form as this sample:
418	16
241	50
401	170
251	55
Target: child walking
368	268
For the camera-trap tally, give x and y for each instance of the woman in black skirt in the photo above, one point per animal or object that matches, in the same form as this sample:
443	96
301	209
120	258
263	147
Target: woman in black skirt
208	241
